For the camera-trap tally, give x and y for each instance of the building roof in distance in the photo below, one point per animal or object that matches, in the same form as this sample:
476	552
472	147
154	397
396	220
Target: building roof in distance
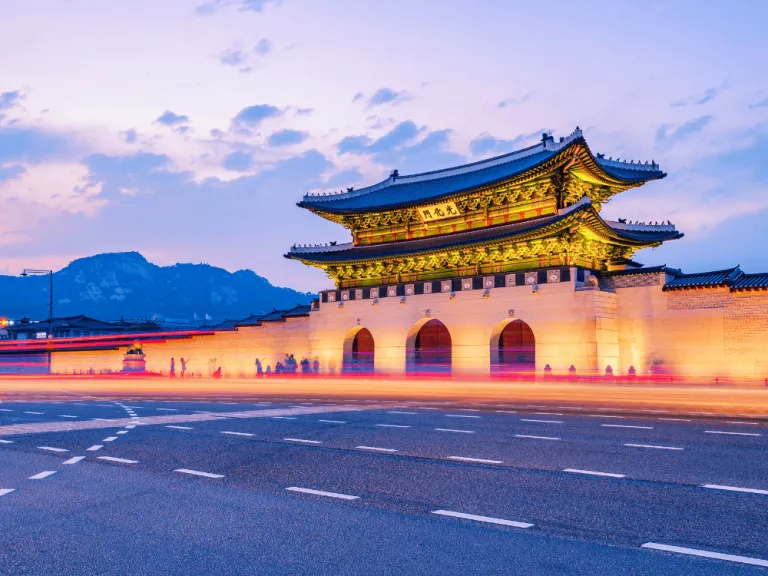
717	278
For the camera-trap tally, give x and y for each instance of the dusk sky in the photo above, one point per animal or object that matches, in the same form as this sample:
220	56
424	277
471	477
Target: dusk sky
188	130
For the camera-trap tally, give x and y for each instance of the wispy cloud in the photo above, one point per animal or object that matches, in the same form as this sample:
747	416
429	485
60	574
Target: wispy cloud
486	145
286	138
10	99
250	117
171	119
130	136
669	134
208	8
760	104
384	96
508	102
243	58
701	98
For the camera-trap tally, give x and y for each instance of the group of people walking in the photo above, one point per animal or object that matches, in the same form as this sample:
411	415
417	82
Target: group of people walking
288	365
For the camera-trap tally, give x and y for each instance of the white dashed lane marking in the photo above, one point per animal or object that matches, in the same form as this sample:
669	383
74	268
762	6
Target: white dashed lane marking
52	449
735	489
74	460
6	441
541	421
322	493
455	430
198	473
36	413
67	416
461	416
237	433
119	460
375	449
401	412
283	417
169	409
5	410
676	419
604	416
706	554
392	426
180	427
626	426
653	446
4	491
44	474
478	460
731	433
333	421
302	440
593	473
95	447
536	437
110	439
486	519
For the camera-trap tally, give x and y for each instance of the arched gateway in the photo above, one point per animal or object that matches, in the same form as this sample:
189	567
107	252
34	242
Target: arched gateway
429	349
513	348
359	352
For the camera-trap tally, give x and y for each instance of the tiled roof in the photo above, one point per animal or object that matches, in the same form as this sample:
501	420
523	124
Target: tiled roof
751	282
401	191
705	279
350	252
275	316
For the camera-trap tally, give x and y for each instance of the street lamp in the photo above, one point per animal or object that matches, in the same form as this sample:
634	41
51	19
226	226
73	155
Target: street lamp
32	272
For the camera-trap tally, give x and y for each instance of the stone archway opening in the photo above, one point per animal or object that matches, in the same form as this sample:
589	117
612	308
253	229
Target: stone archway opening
359	352
513	348
429	349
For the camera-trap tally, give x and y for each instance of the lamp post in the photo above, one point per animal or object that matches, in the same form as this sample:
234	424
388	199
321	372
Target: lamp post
32	272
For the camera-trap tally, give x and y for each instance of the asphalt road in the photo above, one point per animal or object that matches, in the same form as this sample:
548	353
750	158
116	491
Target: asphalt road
298	486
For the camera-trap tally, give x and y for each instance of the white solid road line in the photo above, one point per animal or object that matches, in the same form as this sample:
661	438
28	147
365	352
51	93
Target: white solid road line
653	446
731	433
95	447
120	460
454	430
734	489
479	460
541	421
333	421
74	460
375	449
198	473
706	554
51	449
626	426
237	433
400	412
180	427
486	519
392	426
322	493
4	491
302	440
41	475
592	473
461	416
110	439
536	437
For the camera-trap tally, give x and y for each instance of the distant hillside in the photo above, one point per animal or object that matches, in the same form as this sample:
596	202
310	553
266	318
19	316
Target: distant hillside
108	286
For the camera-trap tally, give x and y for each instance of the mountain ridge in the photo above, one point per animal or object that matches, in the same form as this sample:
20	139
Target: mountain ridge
115	285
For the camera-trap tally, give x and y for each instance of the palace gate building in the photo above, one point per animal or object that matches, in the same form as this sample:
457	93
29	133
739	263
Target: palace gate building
500	266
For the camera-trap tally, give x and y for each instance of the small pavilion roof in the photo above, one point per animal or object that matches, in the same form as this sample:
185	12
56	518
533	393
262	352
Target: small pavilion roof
409	190
582	211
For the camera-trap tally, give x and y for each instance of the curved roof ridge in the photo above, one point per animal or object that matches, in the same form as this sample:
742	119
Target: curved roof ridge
547	144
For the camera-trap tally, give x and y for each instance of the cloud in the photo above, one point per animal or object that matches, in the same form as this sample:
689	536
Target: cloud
34	145
403	148
699	99
303	111
761	104
251	116
668	135
506	103
286	138
11	99
386	96
238	161
232	57
130	136
117	174
487	145
214	6
263	47
358	96
11	172
169	118
241	58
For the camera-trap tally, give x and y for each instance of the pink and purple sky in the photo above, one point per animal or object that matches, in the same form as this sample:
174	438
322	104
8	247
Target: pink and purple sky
188	130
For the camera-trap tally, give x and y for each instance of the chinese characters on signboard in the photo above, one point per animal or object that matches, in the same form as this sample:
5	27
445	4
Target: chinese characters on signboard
438	211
